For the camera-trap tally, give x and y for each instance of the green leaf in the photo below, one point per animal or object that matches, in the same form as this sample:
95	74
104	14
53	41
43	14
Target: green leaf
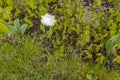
16	23
12	29
42	10
17	12
3	27
99	2
10	2
117	60
16	28
100	59
42	28
118	18
89	77
5	16
112	43
23	28
50	32
113	0
28	21
8	8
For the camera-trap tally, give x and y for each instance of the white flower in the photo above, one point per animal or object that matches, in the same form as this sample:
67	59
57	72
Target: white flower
48	20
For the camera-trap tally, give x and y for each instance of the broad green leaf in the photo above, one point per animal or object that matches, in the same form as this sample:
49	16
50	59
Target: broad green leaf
8	9
112	43
12	29
10	2
16	28
5	15
89	76
3	27
23	28
16	23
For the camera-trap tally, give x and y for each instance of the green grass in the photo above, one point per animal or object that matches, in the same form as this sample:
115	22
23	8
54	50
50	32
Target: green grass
27	60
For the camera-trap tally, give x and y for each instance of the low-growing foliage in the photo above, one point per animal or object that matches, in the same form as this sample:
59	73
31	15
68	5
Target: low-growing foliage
16	28
112	43
27	59
84	34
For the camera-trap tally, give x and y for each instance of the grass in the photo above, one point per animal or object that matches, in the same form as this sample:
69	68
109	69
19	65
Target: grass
27	60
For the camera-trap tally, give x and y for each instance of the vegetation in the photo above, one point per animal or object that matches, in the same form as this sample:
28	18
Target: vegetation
82	45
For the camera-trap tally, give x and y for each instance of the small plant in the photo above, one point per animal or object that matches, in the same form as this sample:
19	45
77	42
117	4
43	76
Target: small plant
112	43
16	28
47	21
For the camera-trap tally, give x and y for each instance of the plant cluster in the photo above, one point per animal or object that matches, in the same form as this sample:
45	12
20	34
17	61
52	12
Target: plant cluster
28	60
88	31
84	31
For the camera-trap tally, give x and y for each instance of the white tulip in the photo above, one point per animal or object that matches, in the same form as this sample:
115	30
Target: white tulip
48	20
